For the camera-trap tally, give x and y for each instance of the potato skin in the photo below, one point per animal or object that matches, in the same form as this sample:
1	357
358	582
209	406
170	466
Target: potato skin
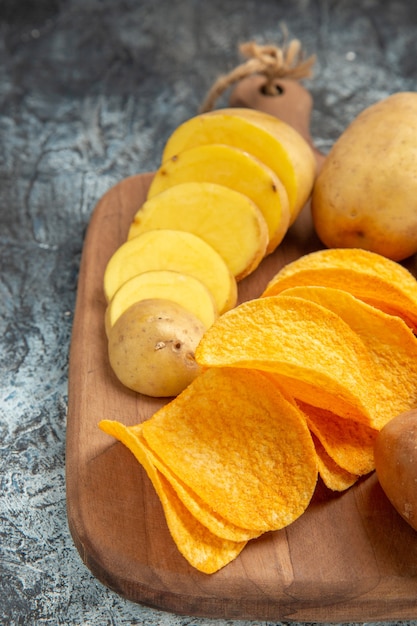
151	347
396	464
366	193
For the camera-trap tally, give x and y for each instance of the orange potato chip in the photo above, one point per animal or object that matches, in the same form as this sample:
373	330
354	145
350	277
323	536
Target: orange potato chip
350	444
202	549
379	281
390	342
333	476
201	511
244	448
319	358
355	259
316	394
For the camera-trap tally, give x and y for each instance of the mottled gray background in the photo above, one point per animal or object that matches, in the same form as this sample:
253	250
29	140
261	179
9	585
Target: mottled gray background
89	92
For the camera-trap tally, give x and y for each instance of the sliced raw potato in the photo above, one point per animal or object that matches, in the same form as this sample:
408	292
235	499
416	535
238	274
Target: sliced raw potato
272	141
226	219
231	167
183	289
201	548
175	250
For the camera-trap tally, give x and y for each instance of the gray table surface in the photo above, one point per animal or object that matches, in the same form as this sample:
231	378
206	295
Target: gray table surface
89	92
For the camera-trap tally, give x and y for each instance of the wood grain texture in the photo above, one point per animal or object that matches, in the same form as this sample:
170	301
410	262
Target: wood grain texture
350	557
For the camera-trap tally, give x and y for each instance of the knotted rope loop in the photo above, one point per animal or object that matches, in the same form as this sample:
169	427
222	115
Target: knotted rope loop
270	61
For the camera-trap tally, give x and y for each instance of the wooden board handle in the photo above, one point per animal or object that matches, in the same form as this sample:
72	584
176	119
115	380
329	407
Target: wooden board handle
292	104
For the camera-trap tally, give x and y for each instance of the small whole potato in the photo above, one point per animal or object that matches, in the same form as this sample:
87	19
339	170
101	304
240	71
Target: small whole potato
396	464
365	195
151	347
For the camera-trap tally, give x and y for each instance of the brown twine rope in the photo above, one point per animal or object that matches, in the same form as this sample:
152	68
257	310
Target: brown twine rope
270	61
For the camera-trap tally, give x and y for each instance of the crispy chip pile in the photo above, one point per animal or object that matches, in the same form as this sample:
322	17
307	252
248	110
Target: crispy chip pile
346	351
333	476
379	281
294	385
204	550
230	458
390	344
318	354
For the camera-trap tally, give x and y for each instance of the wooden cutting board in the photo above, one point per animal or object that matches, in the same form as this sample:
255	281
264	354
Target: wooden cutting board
350	557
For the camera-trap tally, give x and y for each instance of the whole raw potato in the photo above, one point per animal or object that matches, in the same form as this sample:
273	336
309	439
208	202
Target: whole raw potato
396	464
151	347
366	193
